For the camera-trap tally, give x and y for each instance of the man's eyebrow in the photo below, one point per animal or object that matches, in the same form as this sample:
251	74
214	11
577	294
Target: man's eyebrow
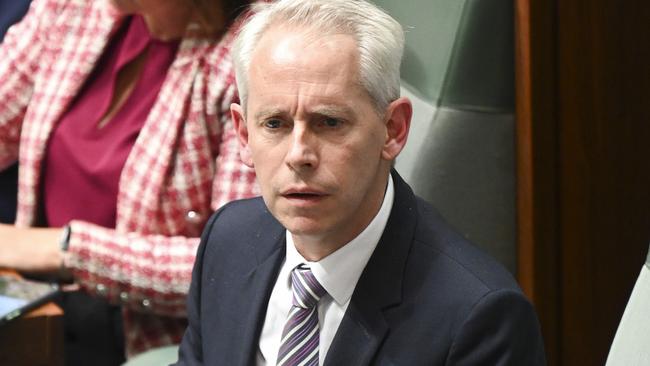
322	110
266	113
330	110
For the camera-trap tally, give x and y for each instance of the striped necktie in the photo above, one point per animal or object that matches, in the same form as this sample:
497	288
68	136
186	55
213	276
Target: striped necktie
300	337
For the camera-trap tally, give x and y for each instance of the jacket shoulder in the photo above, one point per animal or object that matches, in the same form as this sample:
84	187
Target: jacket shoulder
241	217
458	254
242	227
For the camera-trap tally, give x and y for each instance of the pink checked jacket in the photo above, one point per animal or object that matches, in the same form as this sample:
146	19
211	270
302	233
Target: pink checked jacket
183	166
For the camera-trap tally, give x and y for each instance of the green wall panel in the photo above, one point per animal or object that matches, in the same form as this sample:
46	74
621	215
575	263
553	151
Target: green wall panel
431	27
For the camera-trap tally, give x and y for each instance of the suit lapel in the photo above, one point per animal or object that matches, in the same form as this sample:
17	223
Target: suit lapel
258	285
364	327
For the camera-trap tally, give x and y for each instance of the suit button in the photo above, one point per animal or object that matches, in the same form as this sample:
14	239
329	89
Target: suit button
146	303
124	297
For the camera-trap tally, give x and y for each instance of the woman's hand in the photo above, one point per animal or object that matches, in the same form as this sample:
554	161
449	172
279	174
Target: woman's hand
31	250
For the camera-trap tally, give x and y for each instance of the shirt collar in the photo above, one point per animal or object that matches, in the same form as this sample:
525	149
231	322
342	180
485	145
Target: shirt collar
339	272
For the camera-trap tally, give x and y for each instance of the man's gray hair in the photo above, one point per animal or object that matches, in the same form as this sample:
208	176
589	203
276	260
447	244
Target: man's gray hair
379	37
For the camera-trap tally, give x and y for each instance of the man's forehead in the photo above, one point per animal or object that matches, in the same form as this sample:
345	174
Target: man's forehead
322	69
283	57
275	92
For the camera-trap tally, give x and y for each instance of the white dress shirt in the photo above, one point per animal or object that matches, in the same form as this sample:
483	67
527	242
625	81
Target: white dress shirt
338	273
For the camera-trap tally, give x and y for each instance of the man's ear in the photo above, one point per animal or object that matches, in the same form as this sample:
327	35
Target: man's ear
237	114
398	122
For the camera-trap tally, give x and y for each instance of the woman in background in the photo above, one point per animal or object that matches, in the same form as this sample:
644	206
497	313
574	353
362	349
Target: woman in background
118	113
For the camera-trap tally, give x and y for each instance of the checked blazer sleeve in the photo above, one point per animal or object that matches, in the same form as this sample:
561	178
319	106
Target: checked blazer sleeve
146	263
154	267
19	61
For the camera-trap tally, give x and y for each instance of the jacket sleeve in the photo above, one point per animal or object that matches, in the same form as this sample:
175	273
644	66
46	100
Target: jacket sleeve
502	329
152	273
20	56
143	272
148	273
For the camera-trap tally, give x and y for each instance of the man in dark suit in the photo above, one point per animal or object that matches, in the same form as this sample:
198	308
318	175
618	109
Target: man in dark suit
339	263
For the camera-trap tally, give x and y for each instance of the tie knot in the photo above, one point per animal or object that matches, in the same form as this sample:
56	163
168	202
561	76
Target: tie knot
306	289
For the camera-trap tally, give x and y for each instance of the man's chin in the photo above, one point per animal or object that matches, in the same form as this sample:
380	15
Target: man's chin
304	226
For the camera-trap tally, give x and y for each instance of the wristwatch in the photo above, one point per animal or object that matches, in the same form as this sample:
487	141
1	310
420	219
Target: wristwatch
64	243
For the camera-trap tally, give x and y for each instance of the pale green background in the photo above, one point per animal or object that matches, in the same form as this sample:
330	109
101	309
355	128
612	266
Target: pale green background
431	27
459	58
459	53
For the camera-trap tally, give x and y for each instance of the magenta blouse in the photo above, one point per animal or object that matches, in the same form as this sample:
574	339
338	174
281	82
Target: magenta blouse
83	162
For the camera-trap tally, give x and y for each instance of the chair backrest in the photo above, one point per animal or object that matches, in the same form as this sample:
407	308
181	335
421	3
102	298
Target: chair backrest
631	345
155	357
460	153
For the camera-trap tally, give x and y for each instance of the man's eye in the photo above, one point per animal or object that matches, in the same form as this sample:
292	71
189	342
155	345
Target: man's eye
331	122
273	123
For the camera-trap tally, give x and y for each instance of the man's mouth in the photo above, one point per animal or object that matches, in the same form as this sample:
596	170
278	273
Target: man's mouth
303	195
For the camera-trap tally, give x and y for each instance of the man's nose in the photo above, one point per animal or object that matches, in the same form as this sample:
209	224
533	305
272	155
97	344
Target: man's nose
302	152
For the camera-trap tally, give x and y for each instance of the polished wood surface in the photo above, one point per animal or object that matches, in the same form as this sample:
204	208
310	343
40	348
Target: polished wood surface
604	90
537	179
583	123
35	339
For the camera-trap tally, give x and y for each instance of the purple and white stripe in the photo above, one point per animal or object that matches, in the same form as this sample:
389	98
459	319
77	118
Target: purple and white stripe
300	337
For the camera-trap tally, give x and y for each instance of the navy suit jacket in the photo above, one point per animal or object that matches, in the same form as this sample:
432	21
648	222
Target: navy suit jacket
426	296
11	11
